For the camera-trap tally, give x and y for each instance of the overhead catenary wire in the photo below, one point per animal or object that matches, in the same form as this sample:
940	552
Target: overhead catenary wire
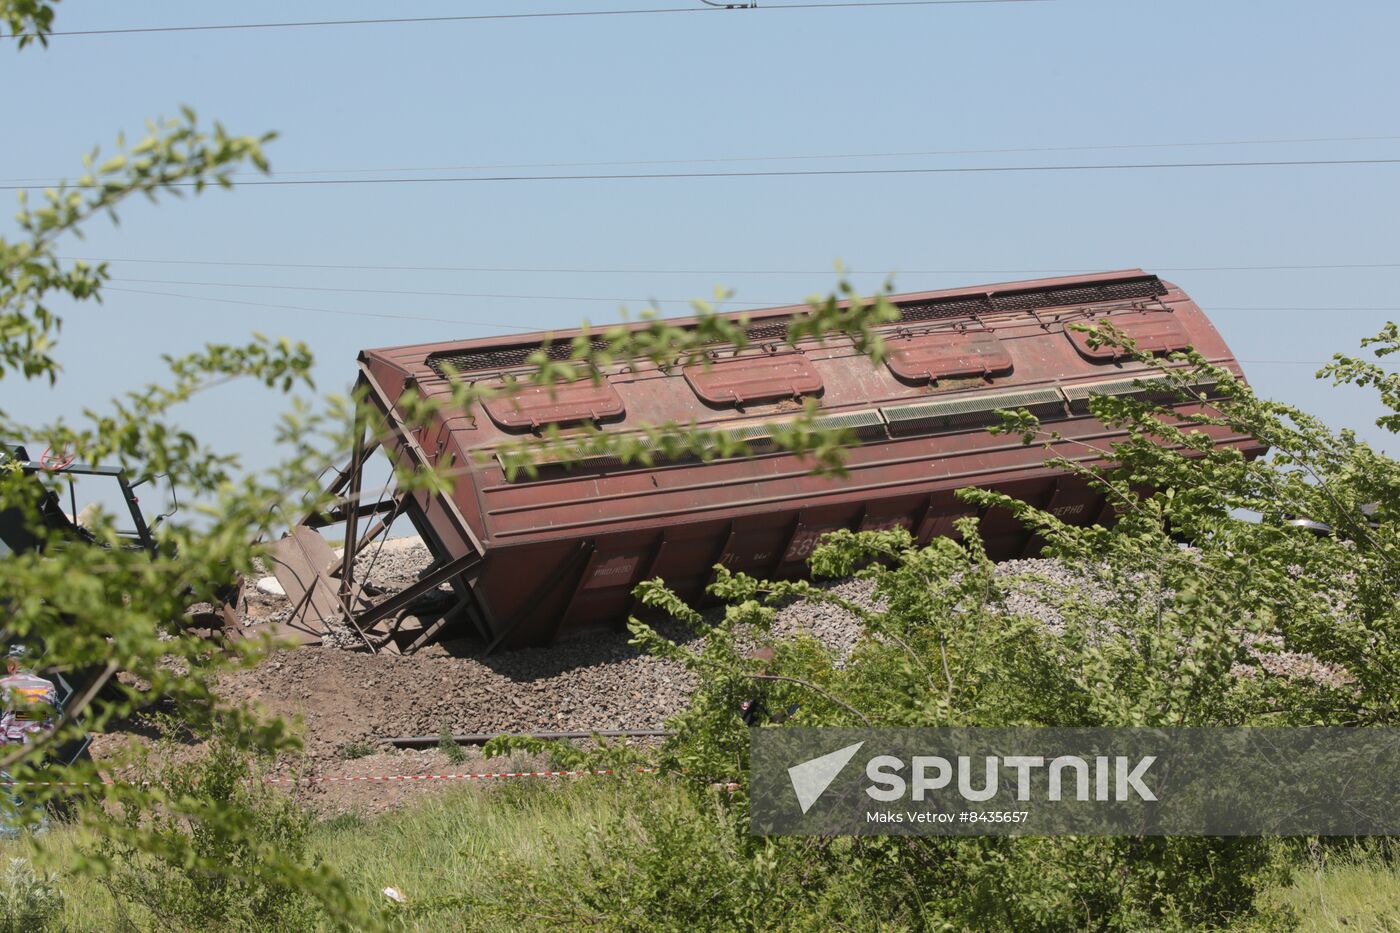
1277	267
787	173
437	320
756	302
516	328
485	17
1309	362
909	154
806	157
440	294
1327	309
339	311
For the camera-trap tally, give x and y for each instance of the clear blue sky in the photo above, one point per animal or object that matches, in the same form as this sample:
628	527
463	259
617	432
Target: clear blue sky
707	86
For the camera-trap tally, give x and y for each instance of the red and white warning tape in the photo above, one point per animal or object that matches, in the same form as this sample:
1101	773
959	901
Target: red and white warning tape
368	778
467	776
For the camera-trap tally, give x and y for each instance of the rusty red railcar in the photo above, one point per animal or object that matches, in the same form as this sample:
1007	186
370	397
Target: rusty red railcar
538	558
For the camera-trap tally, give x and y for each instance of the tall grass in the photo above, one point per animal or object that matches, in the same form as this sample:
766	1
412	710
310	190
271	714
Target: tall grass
455	856
1349	887
459	856
452	856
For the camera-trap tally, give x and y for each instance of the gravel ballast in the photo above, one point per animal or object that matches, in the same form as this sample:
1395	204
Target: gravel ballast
597	681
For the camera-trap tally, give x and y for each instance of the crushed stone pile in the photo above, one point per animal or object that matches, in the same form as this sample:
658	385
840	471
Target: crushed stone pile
594	682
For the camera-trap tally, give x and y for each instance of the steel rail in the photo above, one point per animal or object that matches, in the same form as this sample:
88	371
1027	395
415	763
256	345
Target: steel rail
481	738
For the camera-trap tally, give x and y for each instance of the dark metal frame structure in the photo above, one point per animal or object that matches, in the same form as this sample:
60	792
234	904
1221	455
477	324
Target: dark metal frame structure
139	535
327	592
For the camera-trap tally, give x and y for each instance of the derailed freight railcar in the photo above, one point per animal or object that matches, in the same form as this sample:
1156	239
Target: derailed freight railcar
540	558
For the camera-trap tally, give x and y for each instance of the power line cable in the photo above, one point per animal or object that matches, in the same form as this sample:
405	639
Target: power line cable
916	153
482	17
1282	267
1309	362
338	311
1214	308
1211	307
395	291
520	329
755	302
789	173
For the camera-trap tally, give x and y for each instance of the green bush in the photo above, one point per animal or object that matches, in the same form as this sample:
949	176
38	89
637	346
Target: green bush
350	751
1154	635
228	853
455	753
